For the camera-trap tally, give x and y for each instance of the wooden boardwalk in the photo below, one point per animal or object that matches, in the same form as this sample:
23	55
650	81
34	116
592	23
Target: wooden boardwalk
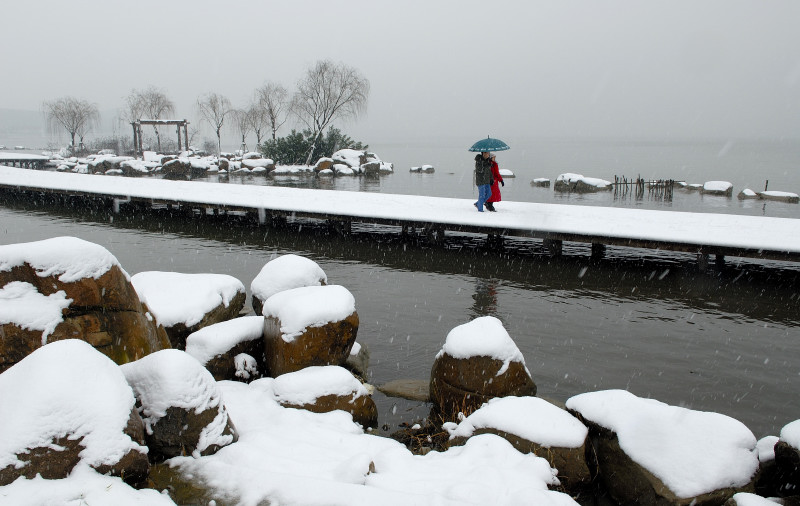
702	234
22	160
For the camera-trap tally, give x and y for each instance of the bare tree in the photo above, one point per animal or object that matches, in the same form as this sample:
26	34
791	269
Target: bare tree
258	119
213	108
327	92
243	124
75	115
272	99
151	103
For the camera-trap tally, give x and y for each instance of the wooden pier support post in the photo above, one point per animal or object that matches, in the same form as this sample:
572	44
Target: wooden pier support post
435	233
702	261
341	227
719	261
598	250
262	216
553	246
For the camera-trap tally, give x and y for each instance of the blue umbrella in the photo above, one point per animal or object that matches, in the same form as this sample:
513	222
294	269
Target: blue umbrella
489	144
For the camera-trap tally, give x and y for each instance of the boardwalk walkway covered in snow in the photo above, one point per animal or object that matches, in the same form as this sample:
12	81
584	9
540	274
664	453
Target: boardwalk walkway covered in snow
703	234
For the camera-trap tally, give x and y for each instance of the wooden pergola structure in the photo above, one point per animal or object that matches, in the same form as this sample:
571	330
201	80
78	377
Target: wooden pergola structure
179	123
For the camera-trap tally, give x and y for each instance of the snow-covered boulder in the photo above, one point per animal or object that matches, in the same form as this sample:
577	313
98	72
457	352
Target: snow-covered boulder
180	405
358	162
322	389
506	173
185	303
787	459
284	273
311	325
324	163
221	348
649	452
67	406
64	288
570	182
251	155
177	169
788	197
479	361
723	188
533	425
265	164
541	182
133	168
424	169
747	193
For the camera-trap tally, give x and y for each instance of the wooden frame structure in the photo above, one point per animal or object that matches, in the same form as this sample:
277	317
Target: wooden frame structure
179	123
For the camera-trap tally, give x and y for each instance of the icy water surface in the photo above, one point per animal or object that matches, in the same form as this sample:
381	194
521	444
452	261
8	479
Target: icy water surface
727	340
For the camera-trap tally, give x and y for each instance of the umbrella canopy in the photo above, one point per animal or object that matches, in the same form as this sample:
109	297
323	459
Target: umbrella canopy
489	144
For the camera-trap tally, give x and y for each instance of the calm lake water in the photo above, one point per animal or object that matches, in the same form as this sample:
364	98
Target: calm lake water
727	340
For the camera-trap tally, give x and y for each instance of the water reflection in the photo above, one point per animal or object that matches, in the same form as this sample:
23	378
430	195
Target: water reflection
485	298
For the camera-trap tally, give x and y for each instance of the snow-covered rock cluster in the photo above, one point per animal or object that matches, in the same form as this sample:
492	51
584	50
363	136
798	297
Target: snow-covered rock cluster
352	162
570	182
261	408
187	165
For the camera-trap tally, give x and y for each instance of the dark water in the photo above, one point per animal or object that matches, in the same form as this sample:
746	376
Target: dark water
726	340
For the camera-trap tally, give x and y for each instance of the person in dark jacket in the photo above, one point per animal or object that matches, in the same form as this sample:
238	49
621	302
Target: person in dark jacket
483	178
497	180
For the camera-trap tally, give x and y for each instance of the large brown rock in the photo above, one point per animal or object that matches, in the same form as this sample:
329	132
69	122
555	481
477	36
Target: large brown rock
81	410
327	344
326	389
479	361
230	350
307	326
537	427
787	468
462	385
101	306
284	273
651	453
180	405
185	303
178	332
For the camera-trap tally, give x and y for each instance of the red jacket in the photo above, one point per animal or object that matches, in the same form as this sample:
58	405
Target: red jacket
496	184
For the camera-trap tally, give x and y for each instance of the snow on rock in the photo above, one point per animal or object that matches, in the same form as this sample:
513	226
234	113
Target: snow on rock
717	187
691	452
307	385
246	366
531	418
178	298
309	306
283	273
219	338
290	170
350	157
174	379
252	163
425	169
482	337
67	258
83	487
790	434
577	182
66	389
748	499
765	448
747	193
507	173
22	305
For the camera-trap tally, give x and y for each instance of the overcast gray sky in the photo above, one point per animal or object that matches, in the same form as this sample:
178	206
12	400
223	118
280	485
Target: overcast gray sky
672	68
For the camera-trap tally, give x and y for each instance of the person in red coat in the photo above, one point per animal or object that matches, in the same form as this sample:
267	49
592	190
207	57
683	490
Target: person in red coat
497	180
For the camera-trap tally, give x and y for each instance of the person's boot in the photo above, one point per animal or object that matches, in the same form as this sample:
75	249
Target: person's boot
490	206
